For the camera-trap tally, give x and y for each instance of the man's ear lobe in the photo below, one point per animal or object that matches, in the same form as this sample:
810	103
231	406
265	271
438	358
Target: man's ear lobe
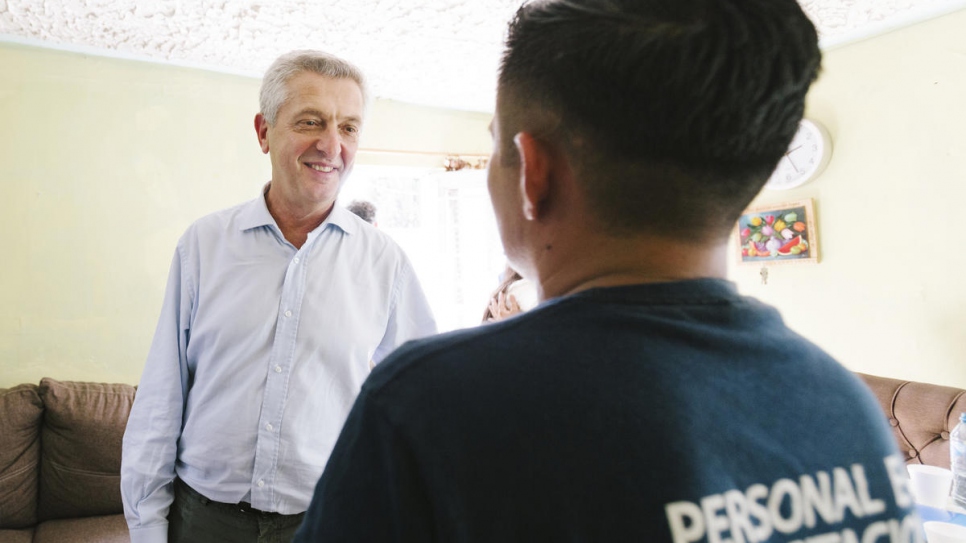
535	165
261	130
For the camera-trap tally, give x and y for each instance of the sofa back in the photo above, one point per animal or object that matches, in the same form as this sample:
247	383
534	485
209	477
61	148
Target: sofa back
60	450
80	466
921	416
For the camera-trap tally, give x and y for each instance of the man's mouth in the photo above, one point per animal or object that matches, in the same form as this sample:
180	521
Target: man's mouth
324	169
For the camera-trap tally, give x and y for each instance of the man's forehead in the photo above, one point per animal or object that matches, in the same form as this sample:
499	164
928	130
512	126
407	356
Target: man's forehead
311	82
325	95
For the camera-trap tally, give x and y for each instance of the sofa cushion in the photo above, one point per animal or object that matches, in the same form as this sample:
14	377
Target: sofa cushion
81	441
17	536
21	411
105	529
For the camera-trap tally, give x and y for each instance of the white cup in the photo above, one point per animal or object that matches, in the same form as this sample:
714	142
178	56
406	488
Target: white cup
944	532
930	484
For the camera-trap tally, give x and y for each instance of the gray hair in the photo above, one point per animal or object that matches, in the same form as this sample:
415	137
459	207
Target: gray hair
274	92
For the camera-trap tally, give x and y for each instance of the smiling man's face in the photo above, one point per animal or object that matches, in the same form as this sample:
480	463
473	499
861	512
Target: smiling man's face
314	140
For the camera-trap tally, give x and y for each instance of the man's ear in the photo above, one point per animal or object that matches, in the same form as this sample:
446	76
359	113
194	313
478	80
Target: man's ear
261	129
535	166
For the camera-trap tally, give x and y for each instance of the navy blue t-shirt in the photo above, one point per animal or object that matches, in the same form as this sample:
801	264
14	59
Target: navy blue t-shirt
662	412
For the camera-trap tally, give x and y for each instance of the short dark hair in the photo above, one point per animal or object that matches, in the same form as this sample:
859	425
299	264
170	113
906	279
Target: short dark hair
365	210
673	112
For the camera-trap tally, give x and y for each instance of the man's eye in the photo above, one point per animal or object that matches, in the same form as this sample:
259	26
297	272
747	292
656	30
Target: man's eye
350	129
309	122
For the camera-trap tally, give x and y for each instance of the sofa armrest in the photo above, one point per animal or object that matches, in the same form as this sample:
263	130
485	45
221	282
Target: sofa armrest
21	412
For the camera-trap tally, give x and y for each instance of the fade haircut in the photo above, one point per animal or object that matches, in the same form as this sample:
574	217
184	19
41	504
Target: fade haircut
672	112
274	90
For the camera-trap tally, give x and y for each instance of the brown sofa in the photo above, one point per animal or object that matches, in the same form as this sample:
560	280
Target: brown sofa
921	415
60	452
60	460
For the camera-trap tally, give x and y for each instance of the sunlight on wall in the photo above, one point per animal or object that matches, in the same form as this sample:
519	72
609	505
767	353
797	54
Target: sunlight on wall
886	297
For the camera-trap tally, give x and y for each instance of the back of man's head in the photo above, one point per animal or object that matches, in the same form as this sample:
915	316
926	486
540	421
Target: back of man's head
672	112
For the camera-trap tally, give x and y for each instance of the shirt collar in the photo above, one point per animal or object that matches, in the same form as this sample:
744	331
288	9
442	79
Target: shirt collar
255	214
343	218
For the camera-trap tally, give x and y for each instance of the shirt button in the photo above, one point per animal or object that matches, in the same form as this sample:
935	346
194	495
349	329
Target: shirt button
269	427
261	484
278	369
288	313
296	260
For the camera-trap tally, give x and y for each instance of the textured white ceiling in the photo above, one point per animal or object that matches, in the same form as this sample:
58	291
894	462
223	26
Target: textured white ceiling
434	52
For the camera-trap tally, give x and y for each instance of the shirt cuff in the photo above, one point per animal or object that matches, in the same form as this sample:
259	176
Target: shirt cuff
157	533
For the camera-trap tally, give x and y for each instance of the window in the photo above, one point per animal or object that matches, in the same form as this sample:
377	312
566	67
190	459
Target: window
444	222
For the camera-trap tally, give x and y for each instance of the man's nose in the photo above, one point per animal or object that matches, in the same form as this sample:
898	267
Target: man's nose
329	143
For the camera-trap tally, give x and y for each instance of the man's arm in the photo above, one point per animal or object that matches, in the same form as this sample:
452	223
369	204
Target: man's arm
371	489
410	316
150	444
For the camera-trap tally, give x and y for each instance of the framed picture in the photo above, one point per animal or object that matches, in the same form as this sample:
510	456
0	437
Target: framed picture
780	233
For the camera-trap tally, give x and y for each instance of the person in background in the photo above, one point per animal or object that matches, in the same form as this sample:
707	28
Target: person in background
364	209
644	399
513	296
273	310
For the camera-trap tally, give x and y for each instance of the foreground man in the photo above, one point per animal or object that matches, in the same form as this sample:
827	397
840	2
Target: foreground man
644	399
273	311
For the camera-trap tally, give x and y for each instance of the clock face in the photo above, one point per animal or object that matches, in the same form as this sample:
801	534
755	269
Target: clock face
807	156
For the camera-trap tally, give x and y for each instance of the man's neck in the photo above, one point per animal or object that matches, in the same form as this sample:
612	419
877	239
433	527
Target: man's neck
295	221
609	262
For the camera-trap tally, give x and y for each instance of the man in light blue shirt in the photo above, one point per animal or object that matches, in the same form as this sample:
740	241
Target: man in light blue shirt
273	311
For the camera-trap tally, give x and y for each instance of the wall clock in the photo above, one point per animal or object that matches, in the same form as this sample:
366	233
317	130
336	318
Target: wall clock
807	156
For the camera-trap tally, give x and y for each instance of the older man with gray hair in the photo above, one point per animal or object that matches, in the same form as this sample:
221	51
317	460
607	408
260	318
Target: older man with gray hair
273	311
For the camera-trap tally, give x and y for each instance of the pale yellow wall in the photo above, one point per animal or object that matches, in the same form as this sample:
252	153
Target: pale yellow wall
889	295
104	163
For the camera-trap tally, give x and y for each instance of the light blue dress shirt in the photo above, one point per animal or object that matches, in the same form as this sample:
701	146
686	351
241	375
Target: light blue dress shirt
259	353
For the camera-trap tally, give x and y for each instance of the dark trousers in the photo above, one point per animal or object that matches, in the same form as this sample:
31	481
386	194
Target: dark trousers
196	519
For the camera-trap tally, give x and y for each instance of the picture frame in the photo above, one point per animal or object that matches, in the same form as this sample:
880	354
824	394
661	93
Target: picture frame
767	234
